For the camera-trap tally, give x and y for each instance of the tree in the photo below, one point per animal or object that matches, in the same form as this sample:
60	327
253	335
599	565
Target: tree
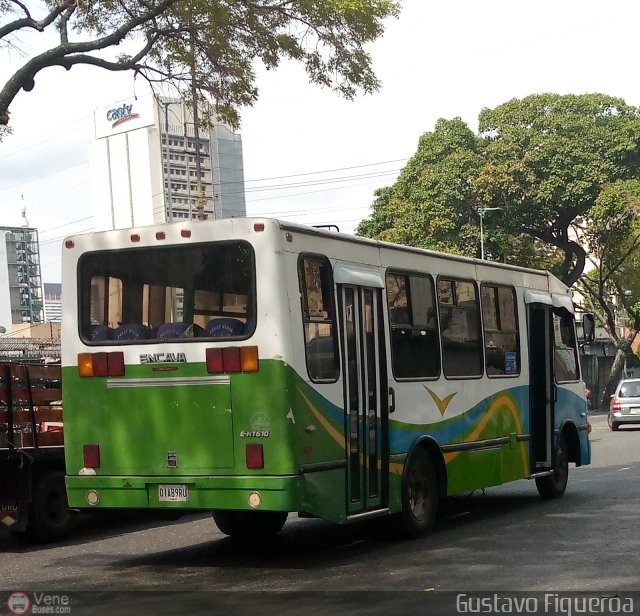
613	236
210	45
543	160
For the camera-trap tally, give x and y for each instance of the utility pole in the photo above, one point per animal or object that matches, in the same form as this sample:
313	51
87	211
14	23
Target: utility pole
196	129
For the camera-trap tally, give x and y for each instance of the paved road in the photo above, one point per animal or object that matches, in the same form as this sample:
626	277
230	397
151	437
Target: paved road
504	539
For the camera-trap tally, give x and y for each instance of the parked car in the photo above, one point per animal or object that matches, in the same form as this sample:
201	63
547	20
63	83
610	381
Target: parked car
625	404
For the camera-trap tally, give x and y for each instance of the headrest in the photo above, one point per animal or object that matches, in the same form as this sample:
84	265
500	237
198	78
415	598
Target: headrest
131	331
218	328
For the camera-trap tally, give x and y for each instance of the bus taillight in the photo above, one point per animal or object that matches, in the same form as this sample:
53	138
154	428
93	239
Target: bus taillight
232	359
91	456
101	364
254	455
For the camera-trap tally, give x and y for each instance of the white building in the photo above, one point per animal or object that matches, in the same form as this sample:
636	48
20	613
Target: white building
144	166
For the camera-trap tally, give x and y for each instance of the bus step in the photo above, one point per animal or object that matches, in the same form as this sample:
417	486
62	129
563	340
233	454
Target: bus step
541	474
365	515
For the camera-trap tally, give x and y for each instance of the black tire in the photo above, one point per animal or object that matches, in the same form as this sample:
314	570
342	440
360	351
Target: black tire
248	525
49	515
612	424
554	486
419	496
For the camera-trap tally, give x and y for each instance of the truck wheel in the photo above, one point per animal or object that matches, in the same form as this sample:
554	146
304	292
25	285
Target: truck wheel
246	525
49	515
553	486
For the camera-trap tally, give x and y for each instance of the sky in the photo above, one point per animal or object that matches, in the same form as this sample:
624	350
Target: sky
437	60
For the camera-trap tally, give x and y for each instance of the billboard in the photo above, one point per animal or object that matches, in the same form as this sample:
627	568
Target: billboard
123	116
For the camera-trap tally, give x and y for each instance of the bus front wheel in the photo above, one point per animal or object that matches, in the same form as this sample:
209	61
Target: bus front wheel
419	495
554	485
250	524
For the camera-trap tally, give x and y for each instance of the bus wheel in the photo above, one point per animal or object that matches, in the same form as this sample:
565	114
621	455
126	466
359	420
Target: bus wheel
49	515
419	495
250	524
553	486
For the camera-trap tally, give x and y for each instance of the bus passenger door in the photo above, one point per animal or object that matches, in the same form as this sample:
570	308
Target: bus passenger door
366	409
542	386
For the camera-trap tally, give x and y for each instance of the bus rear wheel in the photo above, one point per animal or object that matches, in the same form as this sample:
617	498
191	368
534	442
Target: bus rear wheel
246	525
419	496
554	485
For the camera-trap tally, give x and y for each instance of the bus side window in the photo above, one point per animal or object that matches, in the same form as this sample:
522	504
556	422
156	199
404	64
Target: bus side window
460	328
565	360
316	289
414	337
501	344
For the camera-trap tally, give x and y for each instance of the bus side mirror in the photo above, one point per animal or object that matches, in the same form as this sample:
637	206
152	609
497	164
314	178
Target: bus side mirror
588	327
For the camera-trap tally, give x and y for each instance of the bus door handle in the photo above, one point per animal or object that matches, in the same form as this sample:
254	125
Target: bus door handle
554	393
392	399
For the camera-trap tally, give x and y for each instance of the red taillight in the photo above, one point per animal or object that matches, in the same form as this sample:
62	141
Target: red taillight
254	455
135	237
616	407
69	244
231	359
91	456
101	364
185	233
258	227
214	360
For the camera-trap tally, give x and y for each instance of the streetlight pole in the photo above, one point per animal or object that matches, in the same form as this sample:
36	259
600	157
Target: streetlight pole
481	212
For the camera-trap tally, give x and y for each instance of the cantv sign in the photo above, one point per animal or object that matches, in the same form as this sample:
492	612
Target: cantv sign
123	116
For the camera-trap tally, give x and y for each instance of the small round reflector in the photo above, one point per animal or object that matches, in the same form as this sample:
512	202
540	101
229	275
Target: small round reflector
255	500
69	244
160	235
135	237
93	498
185	233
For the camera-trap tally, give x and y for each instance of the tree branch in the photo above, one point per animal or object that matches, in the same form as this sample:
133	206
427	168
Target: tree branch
29	22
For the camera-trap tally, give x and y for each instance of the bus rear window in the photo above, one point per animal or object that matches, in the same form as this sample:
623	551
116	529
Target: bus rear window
169	293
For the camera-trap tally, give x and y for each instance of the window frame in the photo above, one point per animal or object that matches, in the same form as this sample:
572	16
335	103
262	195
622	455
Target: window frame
84	295
476	286
561	313
498	285
334	312
408	274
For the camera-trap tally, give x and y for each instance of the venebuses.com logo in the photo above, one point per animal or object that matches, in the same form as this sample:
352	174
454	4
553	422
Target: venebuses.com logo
38	603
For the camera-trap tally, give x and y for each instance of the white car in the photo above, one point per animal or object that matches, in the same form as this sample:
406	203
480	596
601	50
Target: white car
625	404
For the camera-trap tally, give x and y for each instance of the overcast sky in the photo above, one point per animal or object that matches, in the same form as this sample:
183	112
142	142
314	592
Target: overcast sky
439	59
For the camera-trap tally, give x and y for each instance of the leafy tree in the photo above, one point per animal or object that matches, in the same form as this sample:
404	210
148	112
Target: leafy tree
613	236
209	45
543	160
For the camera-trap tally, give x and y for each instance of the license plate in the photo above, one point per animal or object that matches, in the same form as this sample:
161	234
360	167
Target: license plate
173	494
634	411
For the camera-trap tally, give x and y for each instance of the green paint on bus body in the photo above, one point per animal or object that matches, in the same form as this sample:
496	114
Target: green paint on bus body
143	423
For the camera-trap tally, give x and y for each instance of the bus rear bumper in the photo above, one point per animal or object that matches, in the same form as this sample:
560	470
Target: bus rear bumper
275	493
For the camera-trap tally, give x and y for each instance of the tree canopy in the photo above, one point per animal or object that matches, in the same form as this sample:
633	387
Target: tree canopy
208	44
542	160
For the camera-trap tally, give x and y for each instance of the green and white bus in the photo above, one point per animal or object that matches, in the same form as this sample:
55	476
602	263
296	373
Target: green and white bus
253	367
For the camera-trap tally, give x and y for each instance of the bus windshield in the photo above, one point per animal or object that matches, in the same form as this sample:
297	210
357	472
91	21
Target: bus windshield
167	293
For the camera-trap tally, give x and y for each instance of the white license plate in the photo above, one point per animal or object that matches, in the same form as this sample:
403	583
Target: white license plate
173	494
634	411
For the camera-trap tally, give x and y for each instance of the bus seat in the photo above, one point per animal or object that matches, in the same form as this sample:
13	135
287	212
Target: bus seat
101	332
219	328
178	330
132	331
